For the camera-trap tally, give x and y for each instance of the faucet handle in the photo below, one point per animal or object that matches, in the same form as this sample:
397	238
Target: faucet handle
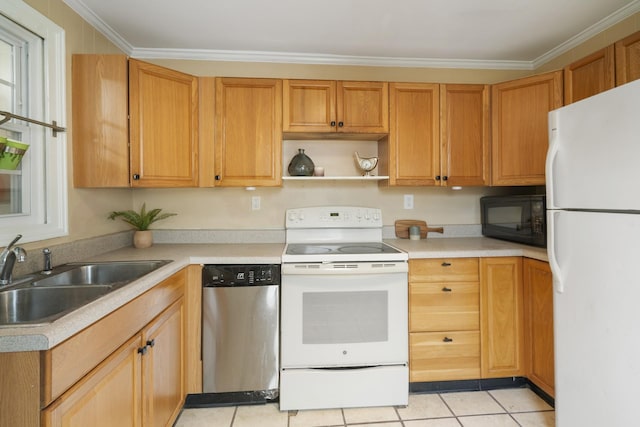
13	242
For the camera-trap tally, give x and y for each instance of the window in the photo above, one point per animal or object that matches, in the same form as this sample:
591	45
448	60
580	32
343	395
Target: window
33	198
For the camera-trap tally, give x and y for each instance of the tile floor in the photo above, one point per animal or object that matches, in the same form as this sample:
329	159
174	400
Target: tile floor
496	408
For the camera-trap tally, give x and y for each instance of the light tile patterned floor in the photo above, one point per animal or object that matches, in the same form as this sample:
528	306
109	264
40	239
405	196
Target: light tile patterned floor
497	408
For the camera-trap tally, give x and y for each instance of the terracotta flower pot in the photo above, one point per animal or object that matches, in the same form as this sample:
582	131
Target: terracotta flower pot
142	239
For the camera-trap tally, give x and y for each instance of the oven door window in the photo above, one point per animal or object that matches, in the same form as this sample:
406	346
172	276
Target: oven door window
343	320
345	317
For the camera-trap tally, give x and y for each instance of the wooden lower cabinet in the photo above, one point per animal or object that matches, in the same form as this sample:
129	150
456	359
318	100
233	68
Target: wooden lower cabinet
538	322
111	395
141	384
163	367
501	320
444	338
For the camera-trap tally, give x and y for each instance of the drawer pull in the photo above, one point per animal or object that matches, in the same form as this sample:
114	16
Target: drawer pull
446	264
447	339
445	289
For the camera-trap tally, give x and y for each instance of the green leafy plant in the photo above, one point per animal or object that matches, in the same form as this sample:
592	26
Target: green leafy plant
140	220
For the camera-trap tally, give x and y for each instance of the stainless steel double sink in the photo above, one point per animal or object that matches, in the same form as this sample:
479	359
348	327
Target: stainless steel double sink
40	298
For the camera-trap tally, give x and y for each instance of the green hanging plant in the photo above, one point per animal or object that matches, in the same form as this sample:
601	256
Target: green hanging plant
140	220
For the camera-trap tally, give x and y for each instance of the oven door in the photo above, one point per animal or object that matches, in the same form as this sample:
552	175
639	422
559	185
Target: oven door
341	315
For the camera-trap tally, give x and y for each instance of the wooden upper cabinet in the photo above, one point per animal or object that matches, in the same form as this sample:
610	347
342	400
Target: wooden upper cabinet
309	106
414	148
363	107
538	323
464	135
248	133
628	59
100	129
164	126
520	134
321	106
589	76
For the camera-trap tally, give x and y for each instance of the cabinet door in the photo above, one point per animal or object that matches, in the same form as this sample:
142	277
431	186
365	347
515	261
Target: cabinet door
414	148
100	121
520	128
589	76
628	59
309	106
363	107
108	396
164	126
501	317
538	317
163	367
248	143
464	134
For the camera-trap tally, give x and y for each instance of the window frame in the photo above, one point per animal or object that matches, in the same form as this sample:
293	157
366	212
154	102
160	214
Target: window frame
49	220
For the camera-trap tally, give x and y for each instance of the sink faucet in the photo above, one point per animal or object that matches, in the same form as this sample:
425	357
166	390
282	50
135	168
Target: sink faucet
47	261
8	258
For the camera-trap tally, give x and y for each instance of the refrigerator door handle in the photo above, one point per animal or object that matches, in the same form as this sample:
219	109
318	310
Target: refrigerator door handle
551	250
552	152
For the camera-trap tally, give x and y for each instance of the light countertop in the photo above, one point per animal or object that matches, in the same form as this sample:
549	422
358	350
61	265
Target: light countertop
43	337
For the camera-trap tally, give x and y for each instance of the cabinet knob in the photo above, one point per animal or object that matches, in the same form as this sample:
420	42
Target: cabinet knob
136	176
447	339
217	177
445	289
340	124
333	123
151	343
142	350
437	177
446	264
444	178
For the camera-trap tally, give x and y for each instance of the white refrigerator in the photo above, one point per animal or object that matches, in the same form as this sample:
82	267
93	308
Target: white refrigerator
593	202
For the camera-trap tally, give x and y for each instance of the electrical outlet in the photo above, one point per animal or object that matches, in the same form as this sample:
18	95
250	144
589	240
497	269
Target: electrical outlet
255	203
408	201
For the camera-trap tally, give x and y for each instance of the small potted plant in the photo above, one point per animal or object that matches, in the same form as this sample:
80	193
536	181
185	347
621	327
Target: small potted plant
142	238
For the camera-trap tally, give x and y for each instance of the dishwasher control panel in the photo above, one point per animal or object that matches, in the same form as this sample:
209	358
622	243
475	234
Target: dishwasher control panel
240	275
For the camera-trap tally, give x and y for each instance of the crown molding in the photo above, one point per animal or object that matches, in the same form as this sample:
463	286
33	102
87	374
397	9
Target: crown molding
598	27
94	20
317	59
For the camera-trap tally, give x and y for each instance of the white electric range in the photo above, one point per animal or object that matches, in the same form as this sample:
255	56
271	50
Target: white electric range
344	311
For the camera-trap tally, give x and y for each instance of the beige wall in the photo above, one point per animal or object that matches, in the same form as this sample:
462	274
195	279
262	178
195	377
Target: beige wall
230	208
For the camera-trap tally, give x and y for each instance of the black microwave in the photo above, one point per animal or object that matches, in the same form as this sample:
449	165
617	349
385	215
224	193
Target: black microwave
519	219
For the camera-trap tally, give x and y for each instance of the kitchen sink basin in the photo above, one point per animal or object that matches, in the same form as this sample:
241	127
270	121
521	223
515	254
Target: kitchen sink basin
44	298
109	273
41	305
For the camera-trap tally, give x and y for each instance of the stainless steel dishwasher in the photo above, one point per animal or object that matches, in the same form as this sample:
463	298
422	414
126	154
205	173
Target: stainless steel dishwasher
240	332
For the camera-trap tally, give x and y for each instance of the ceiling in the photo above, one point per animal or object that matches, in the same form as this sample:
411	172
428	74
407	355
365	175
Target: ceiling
516	34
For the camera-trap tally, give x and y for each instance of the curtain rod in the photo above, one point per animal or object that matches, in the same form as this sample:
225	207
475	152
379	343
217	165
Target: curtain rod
54	125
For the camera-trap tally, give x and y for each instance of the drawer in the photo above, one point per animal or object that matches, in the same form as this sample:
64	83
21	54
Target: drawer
444	307
444	356
444	270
